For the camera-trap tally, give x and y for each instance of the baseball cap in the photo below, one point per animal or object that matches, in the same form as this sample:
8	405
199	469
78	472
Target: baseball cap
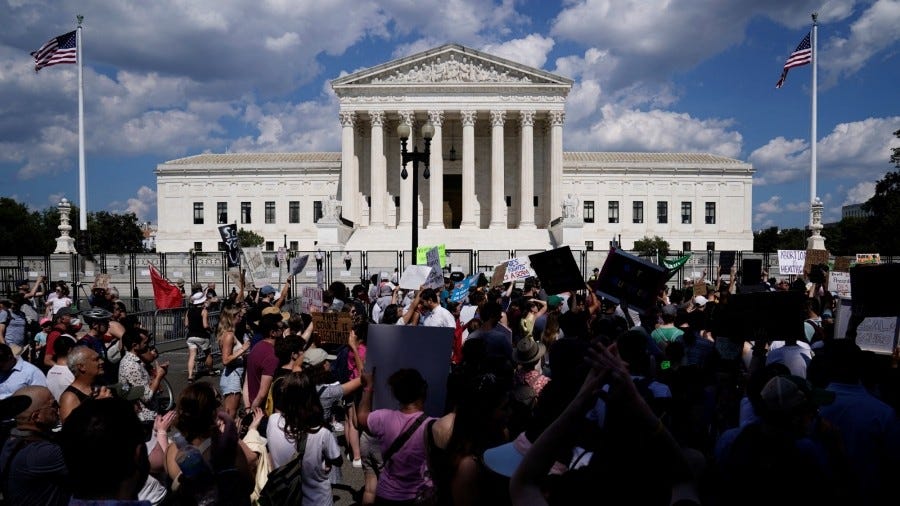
504	459
315	356
554	301
793	394
700	300
267	290
45	321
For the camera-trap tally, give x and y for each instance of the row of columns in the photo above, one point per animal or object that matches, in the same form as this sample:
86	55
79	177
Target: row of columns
378	172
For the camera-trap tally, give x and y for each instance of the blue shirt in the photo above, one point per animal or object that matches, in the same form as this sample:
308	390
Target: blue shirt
22	374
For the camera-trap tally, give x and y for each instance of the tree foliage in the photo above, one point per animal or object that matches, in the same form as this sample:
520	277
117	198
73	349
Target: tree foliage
651	246
249	238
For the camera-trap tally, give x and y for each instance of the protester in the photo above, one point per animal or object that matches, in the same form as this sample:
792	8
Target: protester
133	370
87	367
16	373
233	352
59	377
198	332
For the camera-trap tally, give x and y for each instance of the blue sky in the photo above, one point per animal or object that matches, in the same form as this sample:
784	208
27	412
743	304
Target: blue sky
165	80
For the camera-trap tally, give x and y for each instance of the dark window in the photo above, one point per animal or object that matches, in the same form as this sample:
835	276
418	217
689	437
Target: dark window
270	245
588	211
710	246
662	211
295	245
222	212
536	201
396	201
613	211
637	211
294	211
589	245
508	201
686	212
245	212
198	213
710	213
270	212
198	247
686	246
317	211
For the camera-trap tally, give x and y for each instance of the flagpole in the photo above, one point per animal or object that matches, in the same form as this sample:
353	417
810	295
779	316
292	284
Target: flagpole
816	241
82	199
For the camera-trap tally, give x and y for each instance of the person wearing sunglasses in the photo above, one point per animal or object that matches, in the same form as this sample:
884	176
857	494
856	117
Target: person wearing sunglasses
132	370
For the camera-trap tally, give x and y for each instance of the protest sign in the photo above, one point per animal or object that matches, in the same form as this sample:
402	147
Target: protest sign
791	261
627	278
557	270
229	235
877	334
426	349
414	276
873	289
422	254
312	298
815	257
839	283
461	289
768	316
332	328
517	268
256	265
435	278
281	255
726	260
751	271
499	274
868	258
297	264
842	264
700	289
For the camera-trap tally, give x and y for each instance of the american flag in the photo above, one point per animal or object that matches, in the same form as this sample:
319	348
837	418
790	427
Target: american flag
57	50
801	56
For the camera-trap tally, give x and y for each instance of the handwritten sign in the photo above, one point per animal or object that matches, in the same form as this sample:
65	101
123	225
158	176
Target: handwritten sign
842	264
868	258
422	254
229	235
839	283
815	257
333	327
791	261
518	268
435	277
256	264
877	334
312	296
461	289
414	276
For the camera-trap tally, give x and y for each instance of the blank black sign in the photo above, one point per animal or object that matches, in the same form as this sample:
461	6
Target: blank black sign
557	270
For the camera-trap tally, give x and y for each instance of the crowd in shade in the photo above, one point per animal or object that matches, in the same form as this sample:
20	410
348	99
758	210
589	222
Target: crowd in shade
559	398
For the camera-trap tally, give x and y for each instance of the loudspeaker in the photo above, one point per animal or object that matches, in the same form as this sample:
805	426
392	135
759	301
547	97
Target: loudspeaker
752	271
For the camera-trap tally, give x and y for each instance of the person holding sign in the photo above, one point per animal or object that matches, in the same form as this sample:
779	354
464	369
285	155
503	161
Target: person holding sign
429	310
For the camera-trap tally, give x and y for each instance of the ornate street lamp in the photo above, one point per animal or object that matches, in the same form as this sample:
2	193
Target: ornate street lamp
415	157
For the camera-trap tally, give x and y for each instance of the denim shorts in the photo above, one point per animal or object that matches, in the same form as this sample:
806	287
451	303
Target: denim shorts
198	342
230	380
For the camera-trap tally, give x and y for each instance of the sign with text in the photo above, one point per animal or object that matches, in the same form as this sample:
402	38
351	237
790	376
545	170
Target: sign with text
842	264
312	297
256	265
390	348
627	278
557	270
815	257
499	274
877	334
435	278
868	258
518	268
791	261
332	327
461	288
229	235
839	283
422	254
414	276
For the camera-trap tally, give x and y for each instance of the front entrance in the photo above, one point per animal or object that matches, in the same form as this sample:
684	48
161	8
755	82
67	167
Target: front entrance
452	200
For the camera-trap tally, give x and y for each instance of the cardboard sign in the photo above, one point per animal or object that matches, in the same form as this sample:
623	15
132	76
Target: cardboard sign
297	264
815	257
518	268
102	281
839	283
791	261
627	278
842	264
390	348
256	265
701	289
726	260
557	270
770	316
873	288
332	328
499	274
877	334
435	278
414	276
312	297
422	254
868	258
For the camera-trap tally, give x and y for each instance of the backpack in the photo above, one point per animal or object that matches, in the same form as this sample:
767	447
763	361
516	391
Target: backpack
818	331
339	366
285	483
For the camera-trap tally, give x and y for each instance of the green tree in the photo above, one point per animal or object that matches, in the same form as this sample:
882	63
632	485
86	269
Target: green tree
884	207
249	238
765	240
651	246
20	232
792	238
115	233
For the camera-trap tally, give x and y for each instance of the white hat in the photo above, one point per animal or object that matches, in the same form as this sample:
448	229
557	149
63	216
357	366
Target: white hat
700	300
198	298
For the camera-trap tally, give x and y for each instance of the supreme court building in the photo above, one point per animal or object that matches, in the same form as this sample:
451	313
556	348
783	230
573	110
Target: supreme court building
499	178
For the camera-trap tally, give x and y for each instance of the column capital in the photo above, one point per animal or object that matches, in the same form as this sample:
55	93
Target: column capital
557	118
526	117
407	116
348	118
377	118
468	117
498	118
436	117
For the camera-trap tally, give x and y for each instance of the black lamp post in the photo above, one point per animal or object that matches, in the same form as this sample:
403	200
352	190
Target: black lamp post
415	157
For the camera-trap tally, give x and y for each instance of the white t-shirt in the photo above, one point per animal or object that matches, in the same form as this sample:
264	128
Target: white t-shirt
61	302
317	476
59	377
438	317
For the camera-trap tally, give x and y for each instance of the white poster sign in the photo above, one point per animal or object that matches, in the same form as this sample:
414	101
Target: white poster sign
790	261
414	276
312	297
873	334
517	268
839	283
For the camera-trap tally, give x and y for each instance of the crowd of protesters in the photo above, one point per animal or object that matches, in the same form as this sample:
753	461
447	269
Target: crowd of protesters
553	398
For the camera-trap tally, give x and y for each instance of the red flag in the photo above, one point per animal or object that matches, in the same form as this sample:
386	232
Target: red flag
166	294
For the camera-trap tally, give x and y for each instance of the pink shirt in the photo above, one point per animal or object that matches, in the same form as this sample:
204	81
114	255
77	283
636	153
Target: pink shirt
404	475
351	360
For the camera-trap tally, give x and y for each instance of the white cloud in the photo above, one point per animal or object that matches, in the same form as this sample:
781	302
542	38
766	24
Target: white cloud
287	41
875	30
860	193
531	50
143	204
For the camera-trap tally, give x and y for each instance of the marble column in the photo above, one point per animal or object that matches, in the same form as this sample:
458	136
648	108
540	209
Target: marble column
498	203
436	184
526	176
377	171
408	117
348	165
556	163
468	169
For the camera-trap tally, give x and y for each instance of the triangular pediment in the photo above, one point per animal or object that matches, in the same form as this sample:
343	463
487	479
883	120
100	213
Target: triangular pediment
451	64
